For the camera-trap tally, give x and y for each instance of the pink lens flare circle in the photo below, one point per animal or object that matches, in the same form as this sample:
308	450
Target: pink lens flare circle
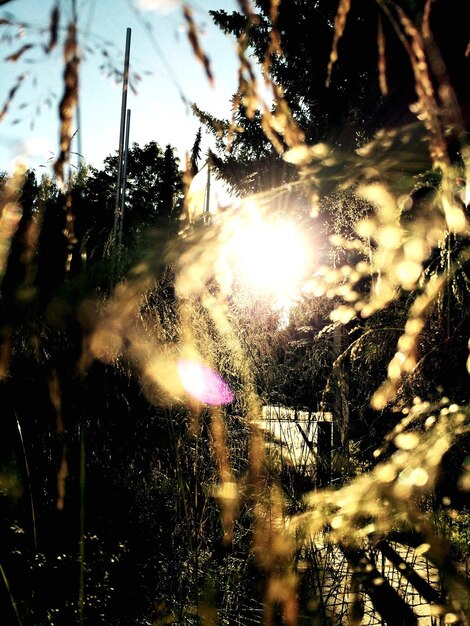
203	384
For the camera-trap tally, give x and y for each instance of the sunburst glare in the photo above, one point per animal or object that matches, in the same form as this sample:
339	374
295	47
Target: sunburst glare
269	257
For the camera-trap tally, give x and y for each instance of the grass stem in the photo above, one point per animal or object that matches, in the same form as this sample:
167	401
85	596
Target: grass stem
28	477
12	599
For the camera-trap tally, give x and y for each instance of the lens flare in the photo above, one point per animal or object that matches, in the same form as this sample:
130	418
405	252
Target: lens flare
203	384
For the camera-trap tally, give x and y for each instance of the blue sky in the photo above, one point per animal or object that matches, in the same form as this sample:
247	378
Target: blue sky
165	62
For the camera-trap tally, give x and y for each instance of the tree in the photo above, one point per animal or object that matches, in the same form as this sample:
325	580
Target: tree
153	196
348	107
343	104
370	86
196	153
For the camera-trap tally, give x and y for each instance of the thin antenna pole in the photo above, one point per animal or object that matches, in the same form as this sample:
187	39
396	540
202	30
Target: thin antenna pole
206	213
125	85
124	176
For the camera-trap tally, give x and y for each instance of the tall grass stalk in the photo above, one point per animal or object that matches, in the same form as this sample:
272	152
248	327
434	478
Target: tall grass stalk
28	478
81	587
10	595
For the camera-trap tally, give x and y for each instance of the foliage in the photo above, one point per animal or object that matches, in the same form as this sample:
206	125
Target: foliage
128	498
153	195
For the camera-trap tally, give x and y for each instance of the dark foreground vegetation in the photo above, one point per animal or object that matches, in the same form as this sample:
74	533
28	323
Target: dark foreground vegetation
124	497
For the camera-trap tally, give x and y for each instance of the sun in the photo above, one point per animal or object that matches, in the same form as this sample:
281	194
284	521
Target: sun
270	257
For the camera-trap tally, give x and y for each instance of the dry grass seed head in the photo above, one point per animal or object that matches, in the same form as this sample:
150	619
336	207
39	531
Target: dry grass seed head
69	100
193	37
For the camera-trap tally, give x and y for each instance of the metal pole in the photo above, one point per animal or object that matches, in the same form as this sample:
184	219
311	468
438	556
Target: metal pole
124	176
125	84
206	213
